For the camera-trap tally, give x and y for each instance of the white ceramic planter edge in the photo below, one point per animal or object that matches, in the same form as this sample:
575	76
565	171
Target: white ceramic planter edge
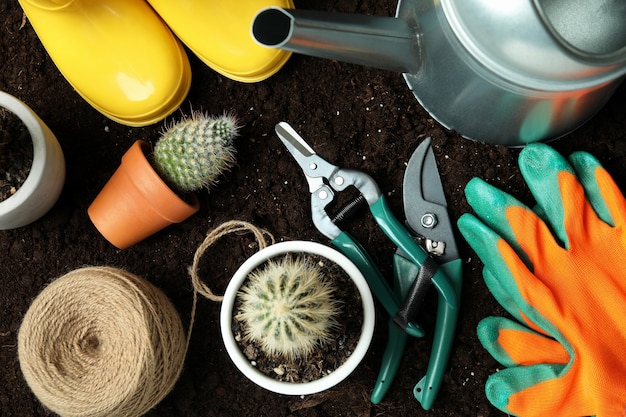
328	381
44	183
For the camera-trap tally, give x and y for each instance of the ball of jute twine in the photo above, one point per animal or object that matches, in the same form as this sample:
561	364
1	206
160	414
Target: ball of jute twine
100	341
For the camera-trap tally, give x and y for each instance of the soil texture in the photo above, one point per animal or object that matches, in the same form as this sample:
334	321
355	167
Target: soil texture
16	153
356	117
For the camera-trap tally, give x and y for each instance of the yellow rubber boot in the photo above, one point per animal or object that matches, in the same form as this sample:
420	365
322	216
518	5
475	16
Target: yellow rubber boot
218	32
117	54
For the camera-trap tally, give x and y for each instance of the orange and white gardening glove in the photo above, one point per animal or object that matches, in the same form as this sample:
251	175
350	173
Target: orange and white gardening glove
560	271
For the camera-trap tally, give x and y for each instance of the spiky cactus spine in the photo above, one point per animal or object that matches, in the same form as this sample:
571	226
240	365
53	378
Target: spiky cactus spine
193	152
287	308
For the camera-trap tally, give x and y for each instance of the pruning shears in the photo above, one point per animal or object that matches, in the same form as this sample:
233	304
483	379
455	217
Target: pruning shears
427	218
402	301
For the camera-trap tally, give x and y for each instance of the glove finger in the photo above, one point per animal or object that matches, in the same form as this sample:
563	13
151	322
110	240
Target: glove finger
507	301
484	241
491	205
542	168
512	344
514	229
602	193
537	391
510	278
501	294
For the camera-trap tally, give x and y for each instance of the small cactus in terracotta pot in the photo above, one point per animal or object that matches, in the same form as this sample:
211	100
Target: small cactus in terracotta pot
288	308
154	187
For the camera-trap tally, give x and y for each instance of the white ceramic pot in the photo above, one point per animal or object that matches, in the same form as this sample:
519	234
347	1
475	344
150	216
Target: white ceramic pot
44	183
290	388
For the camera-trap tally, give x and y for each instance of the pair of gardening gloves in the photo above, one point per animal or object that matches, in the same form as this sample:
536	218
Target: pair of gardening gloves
560	270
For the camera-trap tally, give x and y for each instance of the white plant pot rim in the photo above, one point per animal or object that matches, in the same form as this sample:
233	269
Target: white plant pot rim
44	183
328	381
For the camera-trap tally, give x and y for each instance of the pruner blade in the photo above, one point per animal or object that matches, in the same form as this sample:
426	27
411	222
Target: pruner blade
314	167
293	141
425	206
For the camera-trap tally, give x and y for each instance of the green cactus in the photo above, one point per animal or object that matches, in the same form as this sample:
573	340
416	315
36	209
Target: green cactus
193	152
287	308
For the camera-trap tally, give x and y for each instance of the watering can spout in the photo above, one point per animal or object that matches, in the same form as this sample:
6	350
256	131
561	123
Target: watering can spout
381	42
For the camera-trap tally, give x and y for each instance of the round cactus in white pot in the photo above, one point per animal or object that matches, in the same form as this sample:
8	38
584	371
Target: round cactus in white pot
284	304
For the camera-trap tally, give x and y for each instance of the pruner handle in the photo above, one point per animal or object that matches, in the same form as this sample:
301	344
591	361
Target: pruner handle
396	341
413	251
381	289
427	388
447	282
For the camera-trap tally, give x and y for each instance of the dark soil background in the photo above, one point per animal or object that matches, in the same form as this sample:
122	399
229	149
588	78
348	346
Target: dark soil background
353	116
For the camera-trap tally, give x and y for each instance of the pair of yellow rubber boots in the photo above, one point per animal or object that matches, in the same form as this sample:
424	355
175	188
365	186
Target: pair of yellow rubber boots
124	56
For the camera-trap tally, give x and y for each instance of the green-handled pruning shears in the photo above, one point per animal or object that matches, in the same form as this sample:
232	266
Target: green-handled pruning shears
427	217
324	181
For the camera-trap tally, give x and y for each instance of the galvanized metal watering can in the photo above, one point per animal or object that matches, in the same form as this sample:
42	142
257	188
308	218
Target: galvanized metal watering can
502	72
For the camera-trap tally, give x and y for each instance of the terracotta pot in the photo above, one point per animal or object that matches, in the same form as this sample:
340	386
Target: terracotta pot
327	381
44	183
136	203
